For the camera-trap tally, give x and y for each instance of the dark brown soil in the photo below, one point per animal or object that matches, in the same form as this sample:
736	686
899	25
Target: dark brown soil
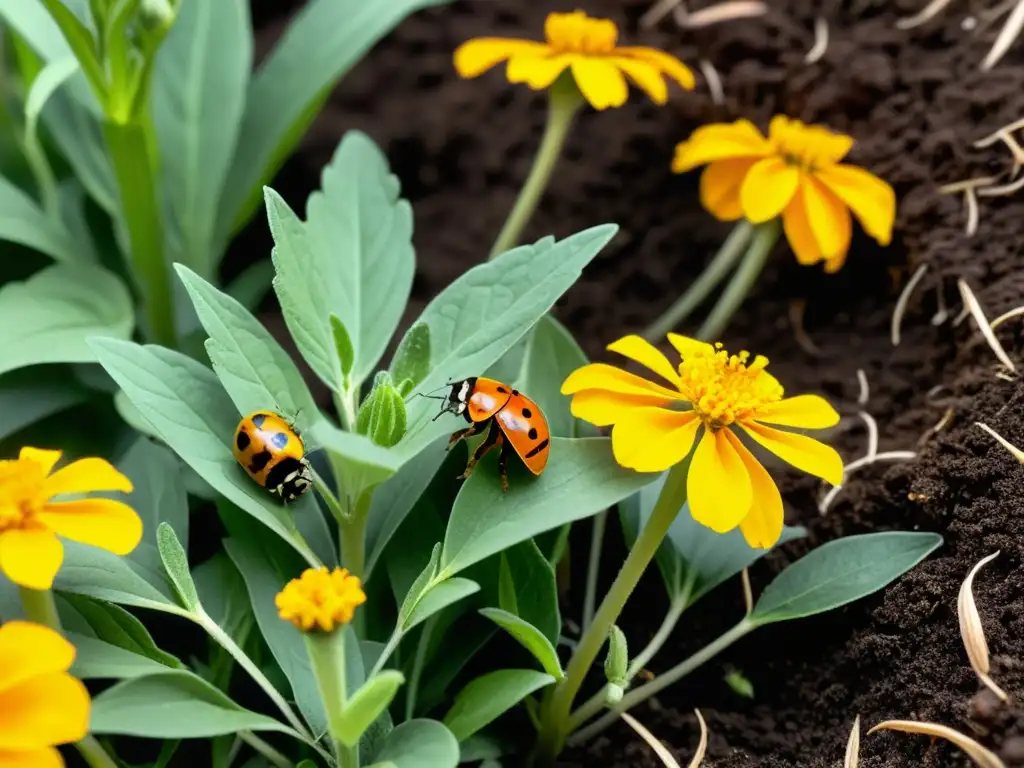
915	101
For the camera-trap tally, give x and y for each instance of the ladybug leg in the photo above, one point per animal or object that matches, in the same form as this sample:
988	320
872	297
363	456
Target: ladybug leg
493	439
506	449
469	431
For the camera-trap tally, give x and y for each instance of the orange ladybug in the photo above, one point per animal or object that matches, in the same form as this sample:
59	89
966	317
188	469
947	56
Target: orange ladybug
512	420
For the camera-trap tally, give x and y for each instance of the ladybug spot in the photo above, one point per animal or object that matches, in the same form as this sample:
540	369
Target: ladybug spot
537	449
532	434
258	419
279	440
259	461
515	392
502	390
242	441
527	412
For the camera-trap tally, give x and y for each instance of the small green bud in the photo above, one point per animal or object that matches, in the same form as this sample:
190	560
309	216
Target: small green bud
158	13
616	663
613	694
382	415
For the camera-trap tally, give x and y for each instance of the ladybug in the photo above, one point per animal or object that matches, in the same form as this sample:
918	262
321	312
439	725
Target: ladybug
273	454
512	420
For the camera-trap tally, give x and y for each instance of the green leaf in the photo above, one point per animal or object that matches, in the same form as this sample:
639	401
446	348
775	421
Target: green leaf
176	564
222	592
113	625
419	585
580	480
49	80
438	597
532	578
411	362
489	696
173	705
251	284
507	600
324	40
30	395
56	310
81	42
254	369
343	345
531	638
480	316
551	355
79	136
840	572
368	703
420	744
354	259
363	464
198	99
95	658
189	410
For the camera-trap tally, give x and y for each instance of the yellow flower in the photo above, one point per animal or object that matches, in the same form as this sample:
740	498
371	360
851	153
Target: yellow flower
585	45
41	705
30	520
794	173
320	599
712	394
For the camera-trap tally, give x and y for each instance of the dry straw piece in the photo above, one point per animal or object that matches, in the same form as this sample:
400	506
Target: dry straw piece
972	632
659	749
1016	452
982	757
902	301
971	304
852	759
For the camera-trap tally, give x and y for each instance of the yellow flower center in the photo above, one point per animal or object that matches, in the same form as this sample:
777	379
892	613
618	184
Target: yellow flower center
724	388
578	33
21	493
808	147
320	599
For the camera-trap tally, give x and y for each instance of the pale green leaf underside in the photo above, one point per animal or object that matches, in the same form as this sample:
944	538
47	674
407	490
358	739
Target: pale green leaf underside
420	744
531	638
488	697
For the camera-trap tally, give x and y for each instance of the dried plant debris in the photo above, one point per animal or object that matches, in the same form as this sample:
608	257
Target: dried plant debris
971	304
902	301
1016	452
972	632
1007	35
659	749
820	41
983	758
852	759
1009	315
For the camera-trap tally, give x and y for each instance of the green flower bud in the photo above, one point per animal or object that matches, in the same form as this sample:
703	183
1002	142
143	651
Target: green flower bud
613	694
616	663
382	415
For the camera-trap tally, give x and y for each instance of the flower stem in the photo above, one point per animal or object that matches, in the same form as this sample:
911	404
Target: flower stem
675	610
40	607
327	657
764	239
273	757
714	273
130	146
564	101
555	718
678	672
353	536
593	566
94	754
589	708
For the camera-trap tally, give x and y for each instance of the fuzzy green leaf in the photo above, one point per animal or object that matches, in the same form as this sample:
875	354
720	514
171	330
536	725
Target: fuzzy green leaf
176	563
366	705
97	573
490	696
343	345
531	638
411	362
532	578
25	223
419	744
439	597
96	659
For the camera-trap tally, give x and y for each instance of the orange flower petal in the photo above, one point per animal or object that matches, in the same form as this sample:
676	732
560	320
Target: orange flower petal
600	82
768	188
475	57
871	199
653	439
720	186
47	757
86	475
804	453
538	72
828	217
44	458
646	76
46	710
664	62
642	351
28	650
798	231
762	526
802	411
612	379
104	523
722	141
718	485
30	557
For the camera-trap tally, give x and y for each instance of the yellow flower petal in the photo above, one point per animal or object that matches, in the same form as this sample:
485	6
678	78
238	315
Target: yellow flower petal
612	379
827	146
642	351
804	453
871	199
600	82
798	231
687	347
538	72
28	650
664	62
104	523
86	475
645	75
653	439
768	188
475	57
720	142
45	459
30	557
718	485
46	710
602	408
47	757
802	411
720	186
763	524
828	217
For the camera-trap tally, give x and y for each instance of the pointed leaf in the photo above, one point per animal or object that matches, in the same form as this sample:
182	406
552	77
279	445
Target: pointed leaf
95	659
343	345
176	564
367	705
490	696
532	578
411	362
531	638
439	597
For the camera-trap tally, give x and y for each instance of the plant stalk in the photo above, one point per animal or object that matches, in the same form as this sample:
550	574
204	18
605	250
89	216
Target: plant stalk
564	101
761	244
419	661
353	536
273	757
94	754
555	719
593	567
327	657
714	273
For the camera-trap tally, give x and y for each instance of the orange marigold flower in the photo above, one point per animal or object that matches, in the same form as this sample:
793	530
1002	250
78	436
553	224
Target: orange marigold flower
41	705
796	173
320	599
587	47
30	519
714	397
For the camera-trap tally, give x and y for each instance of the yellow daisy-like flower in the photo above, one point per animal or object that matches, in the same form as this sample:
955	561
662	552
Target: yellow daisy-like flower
31	520
587	47
712	393
41	705
320	599
794	173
